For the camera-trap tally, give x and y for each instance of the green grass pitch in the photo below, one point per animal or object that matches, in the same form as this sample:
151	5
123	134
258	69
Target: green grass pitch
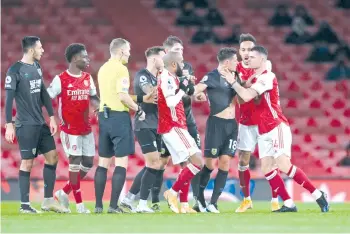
260	219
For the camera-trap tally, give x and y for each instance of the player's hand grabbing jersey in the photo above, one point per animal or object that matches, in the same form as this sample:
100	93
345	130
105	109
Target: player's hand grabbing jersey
220	93
73	94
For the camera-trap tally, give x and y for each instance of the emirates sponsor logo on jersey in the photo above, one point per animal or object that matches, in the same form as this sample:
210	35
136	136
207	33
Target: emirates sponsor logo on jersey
79	94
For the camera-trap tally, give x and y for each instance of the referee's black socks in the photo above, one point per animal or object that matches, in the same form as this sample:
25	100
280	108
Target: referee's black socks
118	181
100	184
24	185
147	182
49	175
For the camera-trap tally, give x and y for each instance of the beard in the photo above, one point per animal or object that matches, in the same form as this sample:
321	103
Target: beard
178	72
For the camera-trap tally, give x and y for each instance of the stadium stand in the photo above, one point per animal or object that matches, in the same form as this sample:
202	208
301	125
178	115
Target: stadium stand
319	111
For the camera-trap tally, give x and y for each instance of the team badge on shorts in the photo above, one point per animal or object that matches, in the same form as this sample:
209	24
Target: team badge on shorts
155	144
162	151
74	147
34	150
214	151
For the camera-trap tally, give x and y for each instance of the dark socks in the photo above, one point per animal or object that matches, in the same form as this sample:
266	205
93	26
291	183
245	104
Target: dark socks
24	185
147	182
136	184
195	185
118	181
203	182
49	180
157	186
100	184
219	185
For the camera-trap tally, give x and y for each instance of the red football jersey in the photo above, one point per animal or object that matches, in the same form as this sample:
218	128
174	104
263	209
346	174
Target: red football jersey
73	94
245	110
268	110
169	117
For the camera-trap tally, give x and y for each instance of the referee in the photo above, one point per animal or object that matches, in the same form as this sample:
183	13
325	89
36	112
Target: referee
115	130
24	83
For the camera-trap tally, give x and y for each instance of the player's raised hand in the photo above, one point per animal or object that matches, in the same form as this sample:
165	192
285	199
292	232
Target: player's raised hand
200	97
229	76
151	97
10	133
53	126
140	114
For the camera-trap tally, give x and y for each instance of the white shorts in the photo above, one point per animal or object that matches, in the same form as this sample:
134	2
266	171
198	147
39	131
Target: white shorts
83	145
180	145
276	142
247	137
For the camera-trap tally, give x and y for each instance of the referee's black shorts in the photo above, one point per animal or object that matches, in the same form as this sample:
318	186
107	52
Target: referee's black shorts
116	137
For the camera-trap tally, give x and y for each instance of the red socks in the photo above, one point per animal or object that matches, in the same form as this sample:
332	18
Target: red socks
184	193
185	176
277	184
244	179
300	177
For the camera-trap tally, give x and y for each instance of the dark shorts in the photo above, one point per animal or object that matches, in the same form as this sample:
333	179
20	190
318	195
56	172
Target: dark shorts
193	131
220	137
149	140
115	135
34	140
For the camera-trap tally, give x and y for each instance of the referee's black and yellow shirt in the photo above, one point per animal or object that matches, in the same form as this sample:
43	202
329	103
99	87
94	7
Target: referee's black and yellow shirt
113	78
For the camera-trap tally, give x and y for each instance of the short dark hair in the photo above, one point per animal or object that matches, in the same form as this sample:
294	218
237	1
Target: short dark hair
29	42
260	49
155	50
247	37
72	50
171	41
226	53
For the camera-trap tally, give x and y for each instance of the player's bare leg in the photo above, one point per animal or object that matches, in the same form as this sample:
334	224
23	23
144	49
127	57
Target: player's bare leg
244	180
301	178
158	184
147	181
24	186
277	184
192	168
184	206
49	174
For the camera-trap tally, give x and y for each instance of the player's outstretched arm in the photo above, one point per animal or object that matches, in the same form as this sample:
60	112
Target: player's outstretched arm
244	94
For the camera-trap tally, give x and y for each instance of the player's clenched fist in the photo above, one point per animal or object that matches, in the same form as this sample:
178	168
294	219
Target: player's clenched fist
186	85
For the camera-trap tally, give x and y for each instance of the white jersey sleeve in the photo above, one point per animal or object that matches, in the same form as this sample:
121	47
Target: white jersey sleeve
93	91
169	87
268	65
263	83
55	87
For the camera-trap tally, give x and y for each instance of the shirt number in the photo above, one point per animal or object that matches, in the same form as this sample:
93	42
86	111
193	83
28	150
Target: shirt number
232	144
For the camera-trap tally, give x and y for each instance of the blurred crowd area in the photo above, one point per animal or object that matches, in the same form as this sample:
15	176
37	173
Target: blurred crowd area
308	43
